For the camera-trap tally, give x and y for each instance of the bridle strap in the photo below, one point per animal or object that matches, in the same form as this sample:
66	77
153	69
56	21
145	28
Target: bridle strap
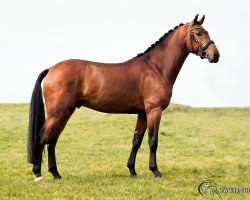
203	53
207	44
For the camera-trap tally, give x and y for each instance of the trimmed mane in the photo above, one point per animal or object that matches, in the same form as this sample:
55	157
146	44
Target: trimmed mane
159	41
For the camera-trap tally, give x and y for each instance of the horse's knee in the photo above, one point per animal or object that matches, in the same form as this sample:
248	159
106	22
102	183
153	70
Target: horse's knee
153	143
137	143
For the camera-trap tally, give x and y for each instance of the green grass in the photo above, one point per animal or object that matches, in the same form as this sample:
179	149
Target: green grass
195	145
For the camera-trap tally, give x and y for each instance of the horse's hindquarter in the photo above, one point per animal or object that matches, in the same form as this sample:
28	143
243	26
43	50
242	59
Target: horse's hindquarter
113	88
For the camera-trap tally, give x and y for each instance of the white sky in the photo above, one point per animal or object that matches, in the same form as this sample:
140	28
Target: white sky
35	35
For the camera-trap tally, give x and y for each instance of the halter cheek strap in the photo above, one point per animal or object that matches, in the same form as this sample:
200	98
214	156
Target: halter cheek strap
203	53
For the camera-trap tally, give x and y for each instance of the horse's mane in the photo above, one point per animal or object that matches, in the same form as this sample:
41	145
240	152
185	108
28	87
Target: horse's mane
159	41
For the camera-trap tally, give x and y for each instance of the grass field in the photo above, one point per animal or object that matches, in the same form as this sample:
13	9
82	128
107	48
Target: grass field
195	145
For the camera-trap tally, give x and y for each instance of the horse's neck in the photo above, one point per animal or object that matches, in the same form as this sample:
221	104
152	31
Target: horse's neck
170	57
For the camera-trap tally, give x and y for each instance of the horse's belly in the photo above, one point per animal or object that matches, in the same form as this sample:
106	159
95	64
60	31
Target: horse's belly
112	90
114	103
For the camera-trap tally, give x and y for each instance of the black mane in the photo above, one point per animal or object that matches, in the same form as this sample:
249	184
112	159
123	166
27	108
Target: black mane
159	41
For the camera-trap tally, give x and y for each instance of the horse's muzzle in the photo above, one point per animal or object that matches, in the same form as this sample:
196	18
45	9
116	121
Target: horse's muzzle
214	58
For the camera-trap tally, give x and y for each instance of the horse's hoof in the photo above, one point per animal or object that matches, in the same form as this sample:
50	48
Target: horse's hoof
57	178
133	175
38	179
132	172
158	175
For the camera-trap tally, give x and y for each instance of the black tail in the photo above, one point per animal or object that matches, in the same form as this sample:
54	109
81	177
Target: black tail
36	119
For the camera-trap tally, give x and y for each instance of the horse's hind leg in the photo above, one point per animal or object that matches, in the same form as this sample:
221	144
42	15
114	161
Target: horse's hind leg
54	125
140	129
52	159
37	165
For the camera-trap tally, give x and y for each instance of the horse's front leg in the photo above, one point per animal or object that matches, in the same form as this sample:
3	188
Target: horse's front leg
140	129
153	121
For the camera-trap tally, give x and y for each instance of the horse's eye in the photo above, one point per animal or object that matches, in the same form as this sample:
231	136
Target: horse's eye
199	34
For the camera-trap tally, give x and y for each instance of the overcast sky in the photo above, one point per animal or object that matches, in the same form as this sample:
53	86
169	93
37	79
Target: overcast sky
35	35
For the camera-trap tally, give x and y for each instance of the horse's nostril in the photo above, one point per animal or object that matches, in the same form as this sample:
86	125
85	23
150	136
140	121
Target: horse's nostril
216	56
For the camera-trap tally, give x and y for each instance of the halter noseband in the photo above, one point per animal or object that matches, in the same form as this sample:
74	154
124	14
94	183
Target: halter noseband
203	53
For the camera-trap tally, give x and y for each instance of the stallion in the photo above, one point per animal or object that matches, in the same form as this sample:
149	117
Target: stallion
142	85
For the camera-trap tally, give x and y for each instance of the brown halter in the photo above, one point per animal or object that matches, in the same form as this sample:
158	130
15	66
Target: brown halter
203	53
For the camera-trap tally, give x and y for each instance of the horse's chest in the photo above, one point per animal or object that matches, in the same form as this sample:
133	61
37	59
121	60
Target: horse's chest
158	97
165	98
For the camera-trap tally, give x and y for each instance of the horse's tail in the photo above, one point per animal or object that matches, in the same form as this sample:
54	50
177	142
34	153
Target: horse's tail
36	120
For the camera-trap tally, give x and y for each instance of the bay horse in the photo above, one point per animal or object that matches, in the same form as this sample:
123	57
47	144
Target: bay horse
142	85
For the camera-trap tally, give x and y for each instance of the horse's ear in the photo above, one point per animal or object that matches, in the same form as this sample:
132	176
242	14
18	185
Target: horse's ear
201	20
195	20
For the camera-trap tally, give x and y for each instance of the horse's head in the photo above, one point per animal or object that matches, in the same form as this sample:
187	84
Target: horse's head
199	42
